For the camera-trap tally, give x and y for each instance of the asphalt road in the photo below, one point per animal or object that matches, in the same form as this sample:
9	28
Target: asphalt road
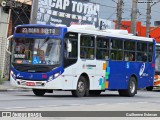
27	100
63	101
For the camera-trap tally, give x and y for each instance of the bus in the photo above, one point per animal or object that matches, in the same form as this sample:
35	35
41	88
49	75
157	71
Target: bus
80	59
157	69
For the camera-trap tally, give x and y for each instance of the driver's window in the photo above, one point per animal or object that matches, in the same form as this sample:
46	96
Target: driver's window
73	39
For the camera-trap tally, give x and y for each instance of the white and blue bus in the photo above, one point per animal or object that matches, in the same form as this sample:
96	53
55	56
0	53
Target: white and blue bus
81	59
157	69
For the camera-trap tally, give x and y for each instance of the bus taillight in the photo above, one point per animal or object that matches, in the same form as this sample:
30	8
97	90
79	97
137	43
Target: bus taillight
153	65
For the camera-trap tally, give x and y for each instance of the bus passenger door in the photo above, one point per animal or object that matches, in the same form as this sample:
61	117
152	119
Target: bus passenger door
70	60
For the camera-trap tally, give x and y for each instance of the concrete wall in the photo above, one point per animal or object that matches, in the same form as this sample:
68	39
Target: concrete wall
4	18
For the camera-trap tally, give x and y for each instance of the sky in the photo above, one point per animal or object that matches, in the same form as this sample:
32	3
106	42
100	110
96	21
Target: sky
108	10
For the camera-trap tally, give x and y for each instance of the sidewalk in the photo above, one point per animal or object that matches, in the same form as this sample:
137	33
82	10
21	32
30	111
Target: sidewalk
7	87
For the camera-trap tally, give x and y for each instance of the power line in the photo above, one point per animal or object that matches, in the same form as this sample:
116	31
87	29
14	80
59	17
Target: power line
111	15
108	6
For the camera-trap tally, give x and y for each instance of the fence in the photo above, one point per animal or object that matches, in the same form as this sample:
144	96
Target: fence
4	59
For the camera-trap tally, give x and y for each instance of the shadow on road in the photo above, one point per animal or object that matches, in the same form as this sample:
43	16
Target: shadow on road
103	95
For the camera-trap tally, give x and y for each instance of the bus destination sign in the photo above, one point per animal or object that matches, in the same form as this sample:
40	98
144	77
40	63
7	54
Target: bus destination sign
38	30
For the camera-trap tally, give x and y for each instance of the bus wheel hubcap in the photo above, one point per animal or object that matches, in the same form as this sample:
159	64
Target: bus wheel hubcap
81	86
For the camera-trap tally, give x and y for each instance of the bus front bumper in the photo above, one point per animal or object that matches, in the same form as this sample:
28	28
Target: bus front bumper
31	84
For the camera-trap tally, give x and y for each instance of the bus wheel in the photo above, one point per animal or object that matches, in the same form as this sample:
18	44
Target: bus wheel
81	88
150	88
95	92
132	88
39	92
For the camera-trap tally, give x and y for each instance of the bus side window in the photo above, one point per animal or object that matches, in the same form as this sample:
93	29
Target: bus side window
87	45
129	56
102	48
142	51
144	57
66	54
129	50
139	58
116	51
74	51
73	39
83	53
70	57
150	52
150	57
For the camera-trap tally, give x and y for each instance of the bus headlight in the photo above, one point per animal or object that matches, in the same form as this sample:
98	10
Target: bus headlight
56	75
53	76
13	75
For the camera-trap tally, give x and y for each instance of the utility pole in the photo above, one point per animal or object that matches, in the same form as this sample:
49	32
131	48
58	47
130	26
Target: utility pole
33	19
148	17
119	13
134	16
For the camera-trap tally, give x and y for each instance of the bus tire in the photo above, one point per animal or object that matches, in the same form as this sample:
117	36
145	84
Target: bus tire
39	92
95	92
150	88
132	88
81	88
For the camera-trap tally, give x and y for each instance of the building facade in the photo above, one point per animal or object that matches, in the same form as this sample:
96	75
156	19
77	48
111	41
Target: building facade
141	29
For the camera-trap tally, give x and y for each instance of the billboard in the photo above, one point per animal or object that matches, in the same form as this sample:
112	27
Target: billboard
67	12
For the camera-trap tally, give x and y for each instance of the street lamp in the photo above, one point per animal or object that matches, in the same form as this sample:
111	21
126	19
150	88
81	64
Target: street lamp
3	3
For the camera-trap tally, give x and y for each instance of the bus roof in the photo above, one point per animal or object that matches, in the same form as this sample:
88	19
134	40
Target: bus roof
110	33
41	25
90	29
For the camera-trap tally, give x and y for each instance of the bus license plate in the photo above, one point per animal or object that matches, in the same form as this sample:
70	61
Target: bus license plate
30	84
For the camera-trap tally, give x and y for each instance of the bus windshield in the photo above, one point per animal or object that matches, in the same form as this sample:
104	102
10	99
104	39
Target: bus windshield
37	51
